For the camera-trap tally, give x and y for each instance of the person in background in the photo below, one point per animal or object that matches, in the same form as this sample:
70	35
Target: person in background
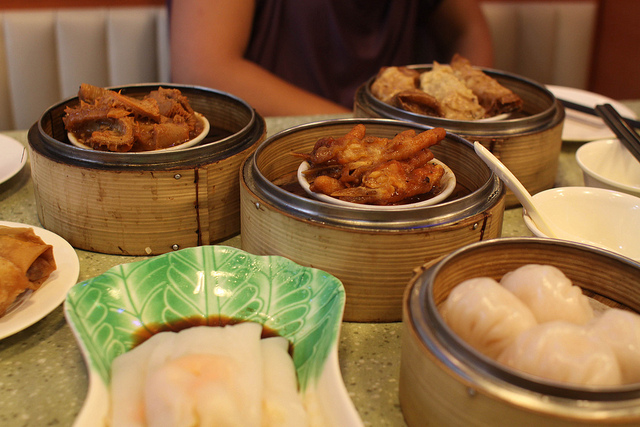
303	57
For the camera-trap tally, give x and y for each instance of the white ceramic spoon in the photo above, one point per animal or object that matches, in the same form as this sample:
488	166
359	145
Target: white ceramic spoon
542	222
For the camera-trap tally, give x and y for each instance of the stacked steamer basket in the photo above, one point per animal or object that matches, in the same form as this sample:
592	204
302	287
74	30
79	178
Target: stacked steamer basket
145	203
447	382
528	143
373	252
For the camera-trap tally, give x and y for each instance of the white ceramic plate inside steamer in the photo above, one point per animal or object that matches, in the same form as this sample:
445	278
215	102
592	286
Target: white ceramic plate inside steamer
497	118
579	126
33	306
202	286
447	185
187	144
13	158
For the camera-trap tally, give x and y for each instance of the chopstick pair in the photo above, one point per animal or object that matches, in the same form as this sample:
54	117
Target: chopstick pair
623	127
625	133
588	110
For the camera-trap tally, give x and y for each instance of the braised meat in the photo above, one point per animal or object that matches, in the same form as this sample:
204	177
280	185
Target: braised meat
110	121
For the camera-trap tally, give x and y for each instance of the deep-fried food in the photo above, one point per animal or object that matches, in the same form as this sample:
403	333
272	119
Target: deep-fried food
456	91
28	252
392	80
457	102
417	101
12	283
372	170
392	182
26	262
494	98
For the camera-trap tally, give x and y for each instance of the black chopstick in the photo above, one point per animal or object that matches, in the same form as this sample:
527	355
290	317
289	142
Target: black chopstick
588	110
627	136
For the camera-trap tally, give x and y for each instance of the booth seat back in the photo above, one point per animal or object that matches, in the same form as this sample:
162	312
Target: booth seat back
46	54
548	41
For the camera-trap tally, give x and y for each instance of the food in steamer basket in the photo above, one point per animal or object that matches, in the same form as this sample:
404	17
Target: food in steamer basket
456	91
26	262
366	169
110	121
552	331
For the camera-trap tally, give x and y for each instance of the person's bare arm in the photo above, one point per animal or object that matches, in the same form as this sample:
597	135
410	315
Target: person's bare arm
462	28
208	41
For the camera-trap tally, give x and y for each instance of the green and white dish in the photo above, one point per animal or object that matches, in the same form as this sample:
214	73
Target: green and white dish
202	285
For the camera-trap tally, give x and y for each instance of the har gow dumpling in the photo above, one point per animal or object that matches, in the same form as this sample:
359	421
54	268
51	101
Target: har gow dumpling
548	293
621	330
563	352
486	315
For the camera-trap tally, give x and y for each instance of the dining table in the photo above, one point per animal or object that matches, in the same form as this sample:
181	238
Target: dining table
43	377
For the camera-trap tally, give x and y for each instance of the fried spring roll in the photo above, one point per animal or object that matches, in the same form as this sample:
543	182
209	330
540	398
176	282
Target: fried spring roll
494	98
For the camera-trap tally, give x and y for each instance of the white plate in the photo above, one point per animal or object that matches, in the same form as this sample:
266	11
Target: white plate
579	126
13	159
33	307
187	144
448	184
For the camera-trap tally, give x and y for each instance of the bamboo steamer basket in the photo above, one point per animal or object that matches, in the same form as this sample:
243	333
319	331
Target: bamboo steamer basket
528	143
443	381
145	203
372	252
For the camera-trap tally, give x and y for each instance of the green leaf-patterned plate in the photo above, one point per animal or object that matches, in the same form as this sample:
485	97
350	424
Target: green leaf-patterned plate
208	285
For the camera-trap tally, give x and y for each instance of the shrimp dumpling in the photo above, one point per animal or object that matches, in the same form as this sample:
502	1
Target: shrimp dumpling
486	315
548	293
621	330
563	352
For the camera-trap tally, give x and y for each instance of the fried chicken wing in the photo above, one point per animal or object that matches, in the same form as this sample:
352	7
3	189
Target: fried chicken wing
365	169
392	182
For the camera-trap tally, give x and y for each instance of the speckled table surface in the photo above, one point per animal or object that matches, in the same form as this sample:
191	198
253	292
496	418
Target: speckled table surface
43	379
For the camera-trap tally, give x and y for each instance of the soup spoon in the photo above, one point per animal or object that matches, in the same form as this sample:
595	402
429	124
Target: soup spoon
543	223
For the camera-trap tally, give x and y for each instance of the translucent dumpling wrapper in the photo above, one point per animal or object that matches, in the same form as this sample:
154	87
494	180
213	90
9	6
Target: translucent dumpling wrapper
548	293
223	376
486	315
621	330
563	352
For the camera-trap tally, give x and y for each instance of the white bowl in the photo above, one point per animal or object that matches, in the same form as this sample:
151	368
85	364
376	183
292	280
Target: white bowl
605	218
606	163
447	185
186	144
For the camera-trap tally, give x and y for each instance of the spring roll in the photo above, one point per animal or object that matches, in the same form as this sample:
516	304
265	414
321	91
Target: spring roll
494	98
28	252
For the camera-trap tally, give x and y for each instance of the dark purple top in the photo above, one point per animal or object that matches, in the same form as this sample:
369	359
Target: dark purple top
330	47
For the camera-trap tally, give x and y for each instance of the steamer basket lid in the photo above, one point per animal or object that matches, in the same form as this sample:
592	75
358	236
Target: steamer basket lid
224	111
